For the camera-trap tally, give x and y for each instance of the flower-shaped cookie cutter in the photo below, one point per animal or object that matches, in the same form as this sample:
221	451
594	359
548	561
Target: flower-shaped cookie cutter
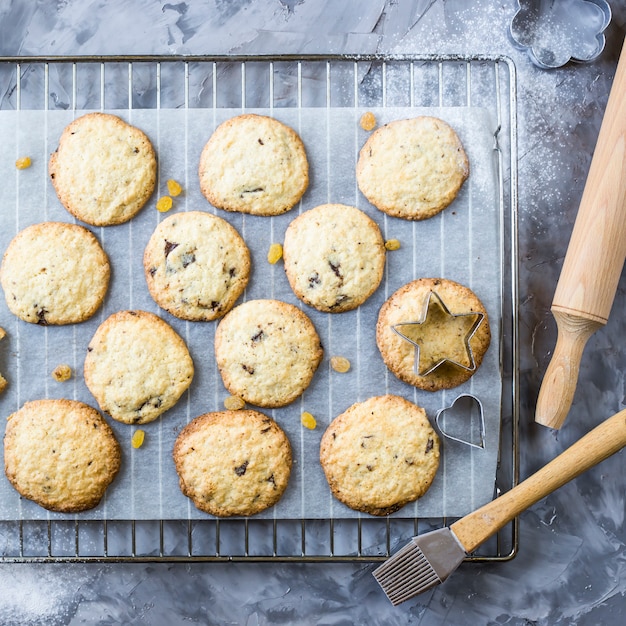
553	32
436	314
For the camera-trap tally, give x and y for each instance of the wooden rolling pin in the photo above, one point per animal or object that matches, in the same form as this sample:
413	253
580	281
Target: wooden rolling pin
594	260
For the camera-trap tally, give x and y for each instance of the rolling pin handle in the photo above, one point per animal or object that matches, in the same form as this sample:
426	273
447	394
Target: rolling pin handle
556	395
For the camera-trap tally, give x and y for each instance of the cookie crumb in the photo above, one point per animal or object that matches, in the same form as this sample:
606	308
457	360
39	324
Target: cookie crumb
138	437
62	373
23	163
3	333
340	364
275	253
392	244
308	421
164	204
368	121
174	188
234	403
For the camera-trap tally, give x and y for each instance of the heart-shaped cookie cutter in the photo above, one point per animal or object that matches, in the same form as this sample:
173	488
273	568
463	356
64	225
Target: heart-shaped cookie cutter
464	410
403	329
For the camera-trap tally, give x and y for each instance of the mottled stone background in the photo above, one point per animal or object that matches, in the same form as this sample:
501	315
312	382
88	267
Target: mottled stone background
571	567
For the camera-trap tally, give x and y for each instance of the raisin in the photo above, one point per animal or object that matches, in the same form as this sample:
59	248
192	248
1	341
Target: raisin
61	373
137	439
308	420
164	204
368	121
174	188
340	364
234	403
23	163
275	253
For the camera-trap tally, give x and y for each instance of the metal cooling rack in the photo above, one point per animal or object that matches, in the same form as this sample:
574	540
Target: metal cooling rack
152	82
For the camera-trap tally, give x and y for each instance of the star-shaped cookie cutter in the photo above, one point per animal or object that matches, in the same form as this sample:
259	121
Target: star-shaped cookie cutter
410	331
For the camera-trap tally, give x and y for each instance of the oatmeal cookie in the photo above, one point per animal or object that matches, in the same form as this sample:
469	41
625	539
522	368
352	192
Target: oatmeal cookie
254	164
267	352
60	454
137	367
380	454
233	462
334	257
196	265
413	168
54	273
104	170
446	336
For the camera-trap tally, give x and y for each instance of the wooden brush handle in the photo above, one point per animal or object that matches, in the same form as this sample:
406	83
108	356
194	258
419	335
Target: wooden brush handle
597	445
594	259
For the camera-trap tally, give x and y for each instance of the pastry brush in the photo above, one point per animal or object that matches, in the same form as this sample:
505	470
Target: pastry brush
429	559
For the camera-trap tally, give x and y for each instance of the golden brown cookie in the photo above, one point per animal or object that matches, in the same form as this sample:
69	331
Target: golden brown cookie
267	352
254	164
380	454
458	340
61	454
233	462
196	265
412	168
137	366
54	273
104	169
334	257
3	381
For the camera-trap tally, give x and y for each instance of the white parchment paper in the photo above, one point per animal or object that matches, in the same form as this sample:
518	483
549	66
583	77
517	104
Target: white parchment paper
462	243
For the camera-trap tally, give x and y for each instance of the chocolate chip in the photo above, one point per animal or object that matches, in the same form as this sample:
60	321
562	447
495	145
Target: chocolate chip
429	445
187	259
169	246
247	368
258	336
41	317
336	270
314	279
255	190
241	469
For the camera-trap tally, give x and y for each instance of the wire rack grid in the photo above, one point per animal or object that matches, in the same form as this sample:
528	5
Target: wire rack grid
293	82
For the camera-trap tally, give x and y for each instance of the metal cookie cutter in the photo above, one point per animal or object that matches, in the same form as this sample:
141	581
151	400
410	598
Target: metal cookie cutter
554	32
423	333
467	421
